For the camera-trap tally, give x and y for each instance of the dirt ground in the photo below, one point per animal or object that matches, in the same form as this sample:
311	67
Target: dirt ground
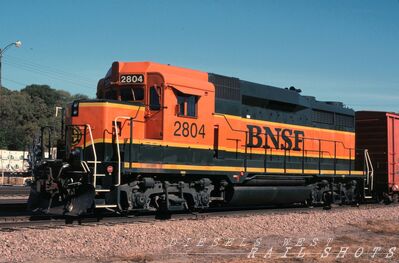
364	234
370	241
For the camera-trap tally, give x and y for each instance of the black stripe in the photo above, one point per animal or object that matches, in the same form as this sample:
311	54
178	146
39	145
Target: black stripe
188	156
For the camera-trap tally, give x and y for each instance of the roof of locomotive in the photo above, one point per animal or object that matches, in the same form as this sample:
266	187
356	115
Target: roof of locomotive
291	96
247	89
172	75
175	75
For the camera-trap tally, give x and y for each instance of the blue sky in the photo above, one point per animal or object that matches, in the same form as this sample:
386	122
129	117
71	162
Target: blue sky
334	50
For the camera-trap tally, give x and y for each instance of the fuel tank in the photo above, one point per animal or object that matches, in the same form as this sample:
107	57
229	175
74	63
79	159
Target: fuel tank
269	195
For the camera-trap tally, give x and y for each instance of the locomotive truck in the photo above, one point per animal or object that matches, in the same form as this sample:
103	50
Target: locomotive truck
166	138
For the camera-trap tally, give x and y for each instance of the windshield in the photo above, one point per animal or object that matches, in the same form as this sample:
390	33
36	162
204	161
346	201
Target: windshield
125	93
111	94
129	93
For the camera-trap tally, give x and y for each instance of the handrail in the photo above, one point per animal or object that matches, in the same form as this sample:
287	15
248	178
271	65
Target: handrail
94	153
289	136
344	147
370	169
87	126
118	147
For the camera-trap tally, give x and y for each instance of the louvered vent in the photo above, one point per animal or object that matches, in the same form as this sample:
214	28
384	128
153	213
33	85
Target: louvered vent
226	87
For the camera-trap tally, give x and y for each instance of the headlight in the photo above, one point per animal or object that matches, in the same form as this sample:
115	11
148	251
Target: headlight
76	154
75	108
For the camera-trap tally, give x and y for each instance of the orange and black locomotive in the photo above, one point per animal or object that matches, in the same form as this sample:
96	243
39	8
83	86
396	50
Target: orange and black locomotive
160	137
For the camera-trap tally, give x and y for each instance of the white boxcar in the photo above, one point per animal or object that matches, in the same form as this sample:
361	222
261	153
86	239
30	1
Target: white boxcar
14	162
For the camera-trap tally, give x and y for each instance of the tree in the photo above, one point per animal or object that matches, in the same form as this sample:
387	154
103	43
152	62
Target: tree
23	113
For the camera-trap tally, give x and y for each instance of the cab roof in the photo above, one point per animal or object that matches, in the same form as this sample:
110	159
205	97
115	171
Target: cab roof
172	75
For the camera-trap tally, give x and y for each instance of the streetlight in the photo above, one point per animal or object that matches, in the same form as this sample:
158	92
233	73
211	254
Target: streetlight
16	44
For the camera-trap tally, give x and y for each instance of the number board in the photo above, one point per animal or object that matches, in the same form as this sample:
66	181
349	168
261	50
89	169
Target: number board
186	129
132	78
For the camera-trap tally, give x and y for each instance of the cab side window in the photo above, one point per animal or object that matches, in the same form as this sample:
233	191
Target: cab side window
181	101
192	106
187	105
154	98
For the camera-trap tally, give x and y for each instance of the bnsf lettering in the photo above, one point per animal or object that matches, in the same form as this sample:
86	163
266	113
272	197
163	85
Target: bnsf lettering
277	138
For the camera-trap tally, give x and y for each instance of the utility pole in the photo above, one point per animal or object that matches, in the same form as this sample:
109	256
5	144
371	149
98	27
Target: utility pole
2	50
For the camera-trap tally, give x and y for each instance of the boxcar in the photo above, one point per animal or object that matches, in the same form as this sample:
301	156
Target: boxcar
379	133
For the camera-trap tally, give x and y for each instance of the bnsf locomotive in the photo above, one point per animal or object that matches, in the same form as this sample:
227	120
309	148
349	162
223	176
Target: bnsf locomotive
165	138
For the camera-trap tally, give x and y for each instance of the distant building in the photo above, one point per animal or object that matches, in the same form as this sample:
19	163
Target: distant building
14	162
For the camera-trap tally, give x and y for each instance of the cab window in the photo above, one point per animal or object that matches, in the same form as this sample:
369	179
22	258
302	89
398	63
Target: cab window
111	94
187	105
191	106
129	93
181	101
154	98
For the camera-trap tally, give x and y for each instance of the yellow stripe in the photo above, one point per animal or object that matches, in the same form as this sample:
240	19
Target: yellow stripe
281	153
280	124
231	150
110	105
184	167
156	143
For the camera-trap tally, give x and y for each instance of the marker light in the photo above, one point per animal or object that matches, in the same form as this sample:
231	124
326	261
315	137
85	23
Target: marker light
110	169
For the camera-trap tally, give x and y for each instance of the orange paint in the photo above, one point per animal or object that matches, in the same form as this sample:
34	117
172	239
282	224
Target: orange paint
165	126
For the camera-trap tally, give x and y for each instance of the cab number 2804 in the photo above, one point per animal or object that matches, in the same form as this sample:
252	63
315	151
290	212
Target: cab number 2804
186	129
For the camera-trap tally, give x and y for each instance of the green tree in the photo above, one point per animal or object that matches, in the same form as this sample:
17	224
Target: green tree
23	113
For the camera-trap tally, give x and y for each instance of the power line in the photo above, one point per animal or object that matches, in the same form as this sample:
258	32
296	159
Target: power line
50	75
51	72
50	68
16	82
47	72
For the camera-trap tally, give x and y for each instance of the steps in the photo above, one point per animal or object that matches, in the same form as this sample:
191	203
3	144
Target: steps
100	192
100	179
369	180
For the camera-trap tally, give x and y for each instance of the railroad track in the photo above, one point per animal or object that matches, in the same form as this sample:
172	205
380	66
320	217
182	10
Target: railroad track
12	207
15	223
14	190
13	201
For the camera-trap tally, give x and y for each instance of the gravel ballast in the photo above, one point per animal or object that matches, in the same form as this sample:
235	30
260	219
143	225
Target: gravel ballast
156	240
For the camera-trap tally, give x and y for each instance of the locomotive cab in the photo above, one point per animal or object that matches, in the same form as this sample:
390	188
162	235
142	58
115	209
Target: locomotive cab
141	111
